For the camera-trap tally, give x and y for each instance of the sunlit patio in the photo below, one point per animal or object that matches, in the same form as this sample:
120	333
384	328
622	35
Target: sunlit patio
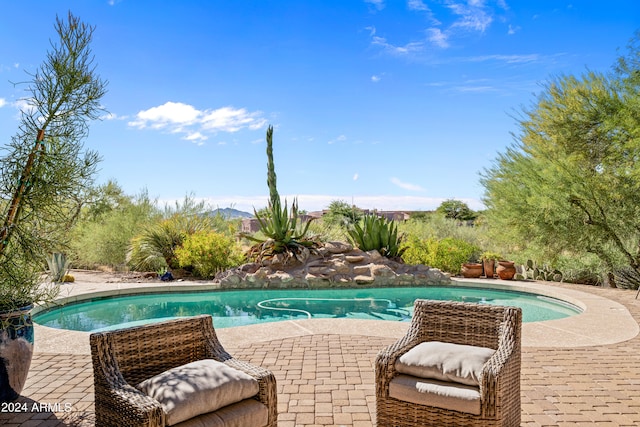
571	376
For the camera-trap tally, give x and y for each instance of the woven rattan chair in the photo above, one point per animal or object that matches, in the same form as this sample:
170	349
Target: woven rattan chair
126	357
468	324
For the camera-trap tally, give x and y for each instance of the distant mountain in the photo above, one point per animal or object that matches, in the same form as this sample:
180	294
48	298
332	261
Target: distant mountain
230	213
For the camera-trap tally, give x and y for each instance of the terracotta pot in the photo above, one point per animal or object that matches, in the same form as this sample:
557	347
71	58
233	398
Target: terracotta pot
506	270
489	267
471	270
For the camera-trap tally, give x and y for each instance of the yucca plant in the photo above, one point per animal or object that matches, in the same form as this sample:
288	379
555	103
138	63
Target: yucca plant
377	233
283	231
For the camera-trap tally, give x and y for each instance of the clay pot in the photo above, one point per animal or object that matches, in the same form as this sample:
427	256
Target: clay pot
489	267
506	270
471	270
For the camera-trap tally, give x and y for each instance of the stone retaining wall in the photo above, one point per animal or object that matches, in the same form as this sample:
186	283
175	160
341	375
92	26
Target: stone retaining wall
336	264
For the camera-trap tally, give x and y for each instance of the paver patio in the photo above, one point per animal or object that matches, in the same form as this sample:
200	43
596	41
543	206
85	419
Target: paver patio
327	379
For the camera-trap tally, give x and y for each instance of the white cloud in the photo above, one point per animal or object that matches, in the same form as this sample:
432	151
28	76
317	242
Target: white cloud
180	118
228	119
509	59
416	5
465	16
437	37
196	136
406	185
409	48
374	79
472	16
340	138
3	102
356	176
170	113
378	4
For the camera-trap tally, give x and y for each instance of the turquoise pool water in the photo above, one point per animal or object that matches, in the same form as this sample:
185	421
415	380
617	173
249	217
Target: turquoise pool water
246	307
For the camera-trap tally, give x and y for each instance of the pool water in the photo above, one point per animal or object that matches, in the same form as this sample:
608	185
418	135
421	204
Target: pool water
246	307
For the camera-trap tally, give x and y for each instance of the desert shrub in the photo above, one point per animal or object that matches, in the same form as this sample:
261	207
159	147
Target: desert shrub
377	233
103	234
342	213
326	232
206	253
586	269
446	254
439	227
154	248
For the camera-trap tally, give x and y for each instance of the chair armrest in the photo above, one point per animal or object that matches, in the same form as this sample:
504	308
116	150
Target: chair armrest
385	362
267	393
116	401
500	378
127	406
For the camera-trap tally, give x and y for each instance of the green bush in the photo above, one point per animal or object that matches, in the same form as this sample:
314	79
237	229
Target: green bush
154	248
585	269
103	234
207	253
446	254
377	233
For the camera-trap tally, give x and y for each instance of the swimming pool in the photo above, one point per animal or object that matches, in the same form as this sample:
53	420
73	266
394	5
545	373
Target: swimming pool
246	307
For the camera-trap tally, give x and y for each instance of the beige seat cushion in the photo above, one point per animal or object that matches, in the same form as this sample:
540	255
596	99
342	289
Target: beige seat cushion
197	388
440	394
445	362
248	413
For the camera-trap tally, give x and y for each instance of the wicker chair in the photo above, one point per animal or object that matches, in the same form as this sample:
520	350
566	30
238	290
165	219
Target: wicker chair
126	357
467	324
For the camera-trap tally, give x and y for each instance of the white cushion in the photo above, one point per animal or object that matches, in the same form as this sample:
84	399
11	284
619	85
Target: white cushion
440	394
445	362
197	388
248	413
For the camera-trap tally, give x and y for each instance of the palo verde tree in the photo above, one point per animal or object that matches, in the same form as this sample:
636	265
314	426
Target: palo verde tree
45	166
571	180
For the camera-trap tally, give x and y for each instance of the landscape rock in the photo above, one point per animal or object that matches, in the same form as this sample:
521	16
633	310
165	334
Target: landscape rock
336	264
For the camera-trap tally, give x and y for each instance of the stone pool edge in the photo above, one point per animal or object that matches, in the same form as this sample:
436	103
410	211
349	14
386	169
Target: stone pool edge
594	326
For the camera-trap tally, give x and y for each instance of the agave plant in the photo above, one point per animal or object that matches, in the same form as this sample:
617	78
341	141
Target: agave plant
283	231
58	266
377	233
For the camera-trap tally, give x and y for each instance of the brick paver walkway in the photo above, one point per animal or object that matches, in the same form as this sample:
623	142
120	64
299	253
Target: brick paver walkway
328	380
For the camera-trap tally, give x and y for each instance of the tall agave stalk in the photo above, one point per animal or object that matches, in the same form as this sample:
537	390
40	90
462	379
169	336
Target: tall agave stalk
281	227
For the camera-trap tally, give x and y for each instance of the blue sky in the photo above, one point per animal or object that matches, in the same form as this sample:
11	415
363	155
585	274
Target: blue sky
390	104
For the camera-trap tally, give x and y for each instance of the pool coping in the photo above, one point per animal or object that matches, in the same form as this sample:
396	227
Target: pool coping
602	321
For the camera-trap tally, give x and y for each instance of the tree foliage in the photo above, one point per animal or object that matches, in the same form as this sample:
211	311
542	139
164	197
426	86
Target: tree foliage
456	209
108	222
44	168
570	181
342	213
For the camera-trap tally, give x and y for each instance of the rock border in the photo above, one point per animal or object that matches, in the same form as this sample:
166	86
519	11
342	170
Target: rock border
334	265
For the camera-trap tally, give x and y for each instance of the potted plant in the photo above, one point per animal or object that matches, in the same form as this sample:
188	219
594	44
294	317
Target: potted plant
489	263
44	172
471	269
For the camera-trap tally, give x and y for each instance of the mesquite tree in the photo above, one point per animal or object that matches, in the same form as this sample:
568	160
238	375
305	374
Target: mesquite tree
45	167
571	181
